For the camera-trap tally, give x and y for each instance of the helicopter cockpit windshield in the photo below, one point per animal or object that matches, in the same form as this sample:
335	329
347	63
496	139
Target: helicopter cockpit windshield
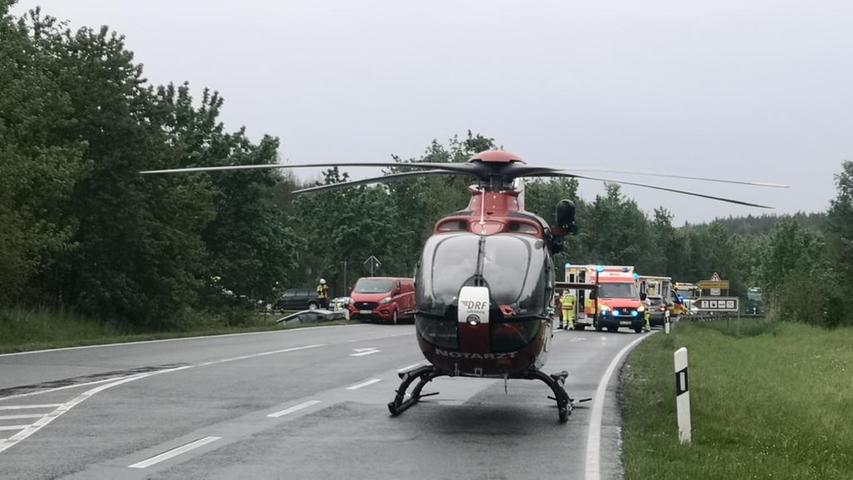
513	267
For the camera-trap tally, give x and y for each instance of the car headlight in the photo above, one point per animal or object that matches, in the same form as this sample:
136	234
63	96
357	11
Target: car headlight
641	309
385	300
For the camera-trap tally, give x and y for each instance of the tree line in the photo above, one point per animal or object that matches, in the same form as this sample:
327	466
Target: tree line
81	229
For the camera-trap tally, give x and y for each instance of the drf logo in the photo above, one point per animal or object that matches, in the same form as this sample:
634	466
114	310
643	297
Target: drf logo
474	305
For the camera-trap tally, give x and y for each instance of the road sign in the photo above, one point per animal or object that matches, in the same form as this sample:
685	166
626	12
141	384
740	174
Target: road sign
372	264
713	284
717	304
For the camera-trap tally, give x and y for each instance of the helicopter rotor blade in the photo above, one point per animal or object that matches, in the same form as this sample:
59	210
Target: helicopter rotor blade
685	177
452	167
394	177
544	171
656	187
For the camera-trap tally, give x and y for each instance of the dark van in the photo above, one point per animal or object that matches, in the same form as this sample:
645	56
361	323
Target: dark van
389	299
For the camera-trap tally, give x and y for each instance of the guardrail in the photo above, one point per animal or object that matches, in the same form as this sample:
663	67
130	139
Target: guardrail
710	316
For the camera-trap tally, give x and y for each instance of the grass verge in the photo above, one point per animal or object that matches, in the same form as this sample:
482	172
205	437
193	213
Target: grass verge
23	330
775	402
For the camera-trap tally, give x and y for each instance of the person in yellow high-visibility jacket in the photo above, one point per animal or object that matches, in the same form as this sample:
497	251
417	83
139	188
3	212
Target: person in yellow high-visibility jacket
567	304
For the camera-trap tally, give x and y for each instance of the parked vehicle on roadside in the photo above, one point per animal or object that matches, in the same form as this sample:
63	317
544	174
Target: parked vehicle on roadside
388	299
298	299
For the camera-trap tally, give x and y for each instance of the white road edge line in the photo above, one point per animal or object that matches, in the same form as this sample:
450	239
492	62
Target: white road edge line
56	389
142	342
593	439
23	407
295	408
174	452
7	443
364	384
65	407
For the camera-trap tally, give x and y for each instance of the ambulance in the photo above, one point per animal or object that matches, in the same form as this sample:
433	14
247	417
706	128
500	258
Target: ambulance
612	299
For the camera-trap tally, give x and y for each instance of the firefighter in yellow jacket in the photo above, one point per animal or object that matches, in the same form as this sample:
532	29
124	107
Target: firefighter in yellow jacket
567	304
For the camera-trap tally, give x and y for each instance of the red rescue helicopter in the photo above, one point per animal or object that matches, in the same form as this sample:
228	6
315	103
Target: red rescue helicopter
485	278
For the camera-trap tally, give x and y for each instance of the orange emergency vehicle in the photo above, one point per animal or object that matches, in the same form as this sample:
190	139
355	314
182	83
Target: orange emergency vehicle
613	302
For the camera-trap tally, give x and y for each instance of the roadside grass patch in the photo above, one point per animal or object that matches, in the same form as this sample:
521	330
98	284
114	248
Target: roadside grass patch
775	402
24	329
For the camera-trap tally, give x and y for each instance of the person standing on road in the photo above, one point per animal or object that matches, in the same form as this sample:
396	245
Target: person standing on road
567	304
647	315
323	293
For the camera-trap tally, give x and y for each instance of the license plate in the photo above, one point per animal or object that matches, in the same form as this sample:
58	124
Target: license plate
625	323
365	312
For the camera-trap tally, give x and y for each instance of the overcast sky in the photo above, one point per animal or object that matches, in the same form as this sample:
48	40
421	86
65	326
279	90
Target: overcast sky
757	89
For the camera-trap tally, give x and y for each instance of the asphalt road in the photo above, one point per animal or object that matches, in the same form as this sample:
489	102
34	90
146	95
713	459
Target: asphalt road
306	403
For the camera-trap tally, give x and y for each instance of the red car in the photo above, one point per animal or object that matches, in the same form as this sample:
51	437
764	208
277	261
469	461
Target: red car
388	299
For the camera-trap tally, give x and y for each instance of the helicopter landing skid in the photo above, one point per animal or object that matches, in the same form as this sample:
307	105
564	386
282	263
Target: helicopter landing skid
424	375
556	382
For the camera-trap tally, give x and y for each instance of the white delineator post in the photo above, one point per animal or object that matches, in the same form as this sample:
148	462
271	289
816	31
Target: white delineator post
682	396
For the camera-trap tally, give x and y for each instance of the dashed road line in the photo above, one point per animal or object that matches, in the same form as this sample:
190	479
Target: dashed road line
27	430
65	407
13	427
295	408
22	416
174	452
256	355
360	352
593	439
364	384
24	407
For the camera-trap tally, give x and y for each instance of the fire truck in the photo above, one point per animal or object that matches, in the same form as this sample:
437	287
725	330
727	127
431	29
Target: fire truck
607	297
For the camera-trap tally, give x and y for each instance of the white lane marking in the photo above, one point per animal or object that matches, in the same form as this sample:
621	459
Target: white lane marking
56	389
13	427
203	364
256	355
360	352
364	384
18	417
593	439
578	339
65	407
295	408
23	407
142	342
409	367
174	452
